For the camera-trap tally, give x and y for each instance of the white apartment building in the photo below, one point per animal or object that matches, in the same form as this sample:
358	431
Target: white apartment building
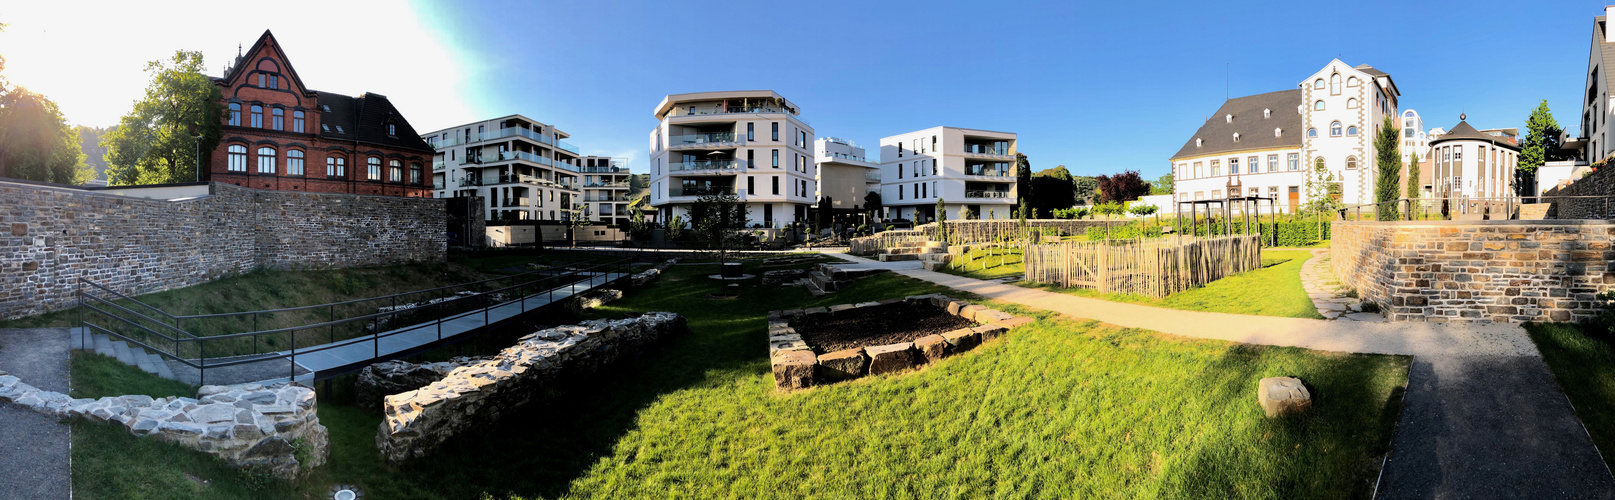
1414	139
605	189
520	167
846	176
748	143
1471	163
1268	144
1598	103
965	168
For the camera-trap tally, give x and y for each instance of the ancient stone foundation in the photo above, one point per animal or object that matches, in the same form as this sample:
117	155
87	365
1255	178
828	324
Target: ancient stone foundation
263	428
475	394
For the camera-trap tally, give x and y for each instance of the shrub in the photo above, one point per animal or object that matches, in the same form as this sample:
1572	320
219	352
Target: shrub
1290	234
1604	323
1142	210
1070	213
1130	230
1108	208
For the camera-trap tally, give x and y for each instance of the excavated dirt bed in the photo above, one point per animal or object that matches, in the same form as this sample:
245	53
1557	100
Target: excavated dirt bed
876	325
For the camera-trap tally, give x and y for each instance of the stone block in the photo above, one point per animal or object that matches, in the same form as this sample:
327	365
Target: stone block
932	347
1014	321
794	369
969	312
1281	396
990	331
890	358
963	339
838	308
843	365
955	306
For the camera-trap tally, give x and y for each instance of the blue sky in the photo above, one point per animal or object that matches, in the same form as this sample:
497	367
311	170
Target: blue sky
1097	86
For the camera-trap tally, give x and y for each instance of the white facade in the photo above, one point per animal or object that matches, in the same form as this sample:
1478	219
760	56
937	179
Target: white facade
1471	164
1344	109
846	176
1414	139
1597	103
965	168
520	167
605	189
748	143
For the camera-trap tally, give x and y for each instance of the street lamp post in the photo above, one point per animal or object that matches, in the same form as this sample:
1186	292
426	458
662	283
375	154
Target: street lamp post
197	142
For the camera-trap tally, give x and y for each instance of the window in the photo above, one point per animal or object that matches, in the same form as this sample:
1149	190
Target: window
933	167
1334	129
751	185
238	158
1294	161
801	138
1351	103
900	171
801	164
235	114
1334	84
392	130
257	116
261	77
294	162
899	193
1278	132
899	150
1319	163
1216	168
414	173
1253	165
336	167
1216	194
803	185
776	160
751	131
751	156
1233	165
375	168
274	81
297	121
1351	82
1351	162
776	134
1407	132
933	143
1352	130
1458	155
776	184
1272	163
277	119
266	160
1318	106
1199	170
1317	84
1312	132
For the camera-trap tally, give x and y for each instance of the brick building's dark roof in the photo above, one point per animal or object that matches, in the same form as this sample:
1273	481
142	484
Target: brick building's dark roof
364	119
1255	130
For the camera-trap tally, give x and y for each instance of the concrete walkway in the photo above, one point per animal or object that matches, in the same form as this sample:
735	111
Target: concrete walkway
34	458
1482	416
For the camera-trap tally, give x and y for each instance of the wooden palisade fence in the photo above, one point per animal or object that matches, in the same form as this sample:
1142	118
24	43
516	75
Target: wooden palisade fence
1154	268
976	231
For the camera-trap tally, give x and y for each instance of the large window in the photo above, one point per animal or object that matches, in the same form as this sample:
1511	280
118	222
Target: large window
776	184
776	134
374	165
336	167
235	114
297	121
395	171
1351	163
1334	84
1272	163
1295	161
294	162
751	156
1216	168
1334	129
238	158
1233	165
776	160
414	173
751	131
1318	106
277	119
257	116
266	160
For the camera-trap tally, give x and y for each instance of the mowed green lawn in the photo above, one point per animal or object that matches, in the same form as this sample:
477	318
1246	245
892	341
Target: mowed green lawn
1060	408
1273	290
1584	365
987	263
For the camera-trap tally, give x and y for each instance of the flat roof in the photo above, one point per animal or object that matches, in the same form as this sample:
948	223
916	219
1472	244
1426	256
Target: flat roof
672	99
967	131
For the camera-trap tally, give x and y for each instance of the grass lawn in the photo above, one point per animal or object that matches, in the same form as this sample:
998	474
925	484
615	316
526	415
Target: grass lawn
1059	408
1585	368
1273	290
987	263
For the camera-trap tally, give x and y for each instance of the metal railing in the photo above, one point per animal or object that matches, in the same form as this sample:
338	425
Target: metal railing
686	139
1581	207
986	194
156	330
832	155
682	191
706	165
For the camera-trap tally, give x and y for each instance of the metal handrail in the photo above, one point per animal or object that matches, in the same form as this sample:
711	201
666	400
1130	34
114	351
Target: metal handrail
1510	203
353	301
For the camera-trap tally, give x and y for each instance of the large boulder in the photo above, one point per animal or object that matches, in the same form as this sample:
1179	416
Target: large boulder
392	377
890	358
1281	396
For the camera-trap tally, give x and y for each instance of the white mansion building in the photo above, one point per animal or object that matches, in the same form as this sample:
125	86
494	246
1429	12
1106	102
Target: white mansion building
1267	144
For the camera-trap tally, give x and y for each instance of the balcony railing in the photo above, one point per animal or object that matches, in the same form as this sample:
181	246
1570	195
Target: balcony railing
986	194
438	166
606	198
714	137
872	176
567	146
987	172
437	185
830	155
459	139
598	184
602	170
706	165
514	202
470	181
726	110
700	191
523	155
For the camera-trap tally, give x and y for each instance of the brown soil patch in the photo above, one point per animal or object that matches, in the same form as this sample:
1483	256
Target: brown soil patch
877	325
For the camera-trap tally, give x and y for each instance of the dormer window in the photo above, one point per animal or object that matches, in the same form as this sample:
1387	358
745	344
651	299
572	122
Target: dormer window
325	107
1229	118
325	128
392	130
1236	136
339	130
1197	142
1267	113
1278	132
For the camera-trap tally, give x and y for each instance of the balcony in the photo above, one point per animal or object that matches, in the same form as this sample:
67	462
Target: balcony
438	166
470	181
872	176
514	202
994	150
566	146
700	190
987	194
617	198
987	171
603	170
523	155
613	185
497	134
714	166
437	185
714	139
833	156
730	110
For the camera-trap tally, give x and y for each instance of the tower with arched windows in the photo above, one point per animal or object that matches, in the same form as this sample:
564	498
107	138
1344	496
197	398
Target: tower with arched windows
279	134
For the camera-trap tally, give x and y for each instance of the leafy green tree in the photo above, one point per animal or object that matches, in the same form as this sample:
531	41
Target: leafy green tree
638	228
1388	159
156	142
826	213
1322	189
1413	176
1162	185
35	141
716	218
1051	192
1142	210
676	228
1541	145
872	202
1023	177
941	219
1084	189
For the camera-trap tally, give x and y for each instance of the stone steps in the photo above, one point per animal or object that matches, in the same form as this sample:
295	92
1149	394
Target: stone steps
120	350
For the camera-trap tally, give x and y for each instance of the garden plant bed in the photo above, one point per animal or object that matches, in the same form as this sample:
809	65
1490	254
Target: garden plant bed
880	324
874	338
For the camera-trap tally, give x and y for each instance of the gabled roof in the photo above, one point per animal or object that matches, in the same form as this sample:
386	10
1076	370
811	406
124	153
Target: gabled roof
1604	52
1255	131
1380	74
1464	132
364	119
243	62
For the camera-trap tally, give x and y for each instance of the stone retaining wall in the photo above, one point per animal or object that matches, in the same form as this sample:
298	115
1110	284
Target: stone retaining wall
1599	183
258	427
474	395
50	236
1499	271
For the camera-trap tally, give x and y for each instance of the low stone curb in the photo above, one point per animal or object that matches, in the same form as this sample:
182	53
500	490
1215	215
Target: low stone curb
252	426
649	275
796	367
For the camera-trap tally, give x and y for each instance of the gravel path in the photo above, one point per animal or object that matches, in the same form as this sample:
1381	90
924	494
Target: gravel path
33	447
1328	295
1482	416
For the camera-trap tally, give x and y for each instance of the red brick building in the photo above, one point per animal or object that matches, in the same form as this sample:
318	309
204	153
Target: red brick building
281	135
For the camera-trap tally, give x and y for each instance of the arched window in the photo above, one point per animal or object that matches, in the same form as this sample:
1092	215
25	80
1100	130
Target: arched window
1351	103
1312	132
395	171
1334	84
1334	129
1318	84
257	116
1351	131
1318	164
297	121
277	119
414	173
235	114
336	167
294	162
266	160
1351	162
1351	82
375	168
238	158
1318	106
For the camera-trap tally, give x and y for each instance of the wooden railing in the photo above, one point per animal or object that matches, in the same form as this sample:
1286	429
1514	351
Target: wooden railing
1154	268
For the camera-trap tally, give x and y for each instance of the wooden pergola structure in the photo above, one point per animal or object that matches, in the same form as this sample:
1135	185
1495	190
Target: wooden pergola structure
1248	207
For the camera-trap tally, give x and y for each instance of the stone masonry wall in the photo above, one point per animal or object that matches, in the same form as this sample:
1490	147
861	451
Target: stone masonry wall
1599	182
50	236
1500	271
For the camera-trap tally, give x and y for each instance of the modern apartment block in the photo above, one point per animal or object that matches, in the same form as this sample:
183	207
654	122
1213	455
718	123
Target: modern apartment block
965	168
846	176
605	189
522	168
748	143
1269	144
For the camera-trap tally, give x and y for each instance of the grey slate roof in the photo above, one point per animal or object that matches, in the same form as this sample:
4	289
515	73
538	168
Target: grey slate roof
1606	54
1255	132
1464	132
1370	70
364	119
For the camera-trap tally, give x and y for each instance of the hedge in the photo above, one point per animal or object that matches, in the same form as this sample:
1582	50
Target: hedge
1290	234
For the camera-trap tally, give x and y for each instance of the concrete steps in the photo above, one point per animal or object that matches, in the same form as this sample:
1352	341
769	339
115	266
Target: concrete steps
912	250
826	278
131	355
